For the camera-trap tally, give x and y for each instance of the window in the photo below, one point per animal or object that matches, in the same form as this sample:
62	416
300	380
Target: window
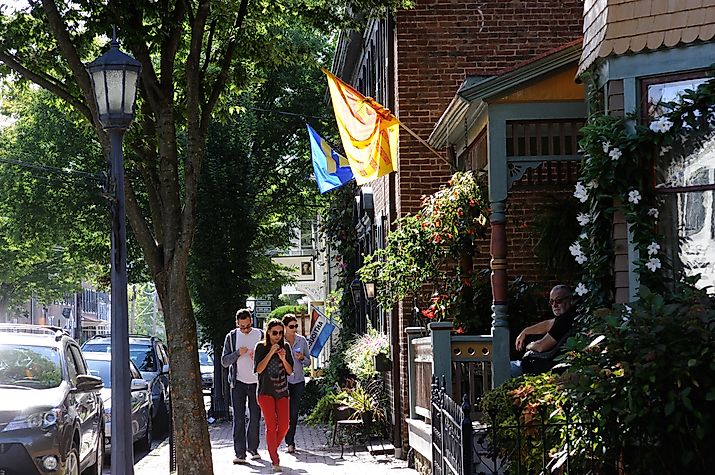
685	180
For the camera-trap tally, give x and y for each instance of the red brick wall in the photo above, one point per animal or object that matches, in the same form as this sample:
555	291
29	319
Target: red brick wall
439	43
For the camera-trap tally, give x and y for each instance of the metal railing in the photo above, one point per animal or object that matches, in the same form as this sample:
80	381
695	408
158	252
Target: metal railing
526	442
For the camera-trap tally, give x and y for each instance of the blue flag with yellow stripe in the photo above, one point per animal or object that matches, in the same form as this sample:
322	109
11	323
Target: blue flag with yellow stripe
331	169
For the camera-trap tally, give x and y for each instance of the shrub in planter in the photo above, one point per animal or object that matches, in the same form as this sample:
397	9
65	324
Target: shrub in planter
649	375
322	413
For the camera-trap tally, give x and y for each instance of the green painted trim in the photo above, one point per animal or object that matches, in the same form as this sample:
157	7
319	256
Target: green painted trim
674	60
544	158
537	110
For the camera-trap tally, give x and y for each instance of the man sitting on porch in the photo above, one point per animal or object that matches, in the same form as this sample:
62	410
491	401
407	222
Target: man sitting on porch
554	331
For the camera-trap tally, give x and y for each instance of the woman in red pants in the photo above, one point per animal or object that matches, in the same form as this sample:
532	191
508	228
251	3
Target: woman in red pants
274	362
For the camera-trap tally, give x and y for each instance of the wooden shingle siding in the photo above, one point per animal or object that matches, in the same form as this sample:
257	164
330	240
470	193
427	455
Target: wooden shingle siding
616	27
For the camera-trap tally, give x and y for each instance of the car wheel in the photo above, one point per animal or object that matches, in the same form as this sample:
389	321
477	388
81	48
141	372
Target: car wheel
72	462
96	468
144	443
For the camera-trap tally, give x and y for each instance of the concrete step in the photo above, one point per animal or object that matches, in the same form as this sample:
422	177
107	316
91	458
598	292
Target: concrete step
380	447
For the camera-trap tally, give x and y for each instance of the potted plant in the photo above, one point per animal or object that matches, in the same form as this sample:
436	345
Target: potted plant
366	352
363	402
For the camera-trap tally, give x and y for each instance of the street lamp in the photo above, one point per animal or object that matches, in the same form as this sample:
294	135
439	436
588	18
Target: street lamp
370	290
356	291
114	78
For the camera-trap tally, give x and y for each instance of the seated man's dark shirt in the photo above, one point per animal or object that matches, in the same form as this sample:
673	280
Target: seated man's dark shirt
562	324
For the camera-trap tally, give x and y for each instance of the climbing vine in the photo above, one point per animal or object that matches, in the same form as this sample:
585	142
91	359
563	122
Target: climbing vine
620	156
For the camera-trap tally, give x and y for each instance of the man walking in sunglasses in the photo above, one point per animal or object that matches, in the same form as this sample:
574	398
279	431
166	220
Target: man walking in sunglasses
238	357
274	362
554	330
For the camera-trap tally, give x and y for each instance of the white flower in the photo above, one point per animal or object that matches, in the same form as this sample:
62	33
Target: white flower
634	197
615	154
593	184
653	264
628	309
575	249
581	193
653	248
661	125
582	236
653	212
581	258
606	146
581	289
583	219
664	150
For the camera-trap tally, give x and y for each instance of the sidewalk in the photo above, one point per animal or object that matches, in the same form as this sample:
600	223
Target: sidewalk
313	456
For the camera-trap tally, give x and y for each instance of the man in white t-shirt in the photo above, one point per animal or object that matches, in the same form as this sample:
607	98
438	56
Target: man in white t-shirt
237	356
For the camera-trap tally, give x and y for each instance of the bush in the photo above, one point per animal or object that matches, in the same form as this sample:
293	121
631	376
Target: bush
315	389
322	414
649	376
534	401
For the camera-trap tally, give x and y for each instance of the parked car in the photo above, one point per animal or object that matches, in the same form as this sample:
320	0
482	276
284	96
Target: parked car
51	415
100	364
207	370
150	355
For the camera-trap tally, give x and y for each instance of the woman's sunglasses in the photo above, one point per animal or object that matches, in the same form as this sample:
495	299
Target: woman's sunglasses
277	332
293	326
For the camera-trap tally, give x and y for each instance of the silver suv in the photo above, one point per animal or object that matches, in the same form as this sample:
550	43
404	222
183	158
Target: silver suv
150	355
51	416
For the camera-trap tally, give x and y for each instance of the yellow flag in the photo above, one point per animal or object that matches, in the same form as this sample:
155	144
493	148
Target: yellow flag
369	132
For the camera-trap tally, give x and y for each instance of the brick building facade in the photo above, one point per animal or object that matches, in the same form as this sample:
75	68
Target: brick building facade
414	63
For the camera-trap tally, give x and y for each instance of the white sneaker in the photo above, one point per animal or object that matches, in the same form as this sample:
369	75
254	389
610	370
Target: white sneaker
255	455
277	468
239	461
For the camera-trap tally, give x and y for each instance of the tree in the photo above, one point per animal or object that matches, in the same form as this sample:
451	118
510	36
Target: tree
191	53
254	190
52	227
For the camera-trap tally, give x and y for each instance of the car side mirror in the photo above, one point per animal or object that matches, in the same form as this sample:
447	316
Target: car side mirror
87	383
165	369
139	385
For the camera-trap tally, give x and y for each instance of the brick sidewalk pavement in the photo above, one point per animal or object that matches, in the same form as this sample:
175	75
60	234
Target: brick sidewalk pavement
313	456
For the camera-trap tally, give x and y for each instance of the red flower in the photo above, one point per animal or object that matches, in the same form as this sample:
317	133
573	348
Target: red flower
460	212
460	330
466	281
428	312
437	238
472	202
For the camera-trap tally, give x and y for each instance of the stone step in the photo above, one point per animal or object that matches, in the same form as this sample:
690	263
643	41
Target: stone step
380	447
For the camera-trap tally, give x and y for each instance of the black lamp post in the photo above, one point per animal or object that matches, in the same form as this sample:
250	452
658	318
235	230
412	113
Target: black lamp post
114	78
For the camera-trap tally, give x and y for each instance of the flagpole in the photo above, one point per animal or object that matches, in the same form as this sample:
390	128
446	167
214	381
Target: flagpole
424	142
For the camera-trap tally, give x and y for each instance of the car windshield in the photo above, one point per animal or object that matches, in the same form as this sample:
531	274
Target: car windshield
103	369
30	366
205	359
143	357
140	354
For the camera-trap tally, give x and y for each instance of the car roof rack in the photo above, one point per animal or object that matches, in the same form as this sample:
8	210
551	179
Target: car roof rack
57	332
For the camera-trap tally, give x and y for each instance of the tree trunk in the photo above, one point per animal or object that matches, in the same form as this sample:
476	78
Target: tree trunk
188	412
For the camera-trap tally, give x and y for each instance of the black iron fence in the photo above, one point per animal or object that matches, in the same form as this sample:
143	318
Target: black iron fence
527	441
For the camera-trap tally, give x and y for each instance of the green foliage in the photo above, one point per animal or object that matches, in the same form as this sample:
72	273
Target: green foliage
618	154
365	399
315	389
361	351
322	414
649	375
420	246
339	231
529	416
53	223
281	311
